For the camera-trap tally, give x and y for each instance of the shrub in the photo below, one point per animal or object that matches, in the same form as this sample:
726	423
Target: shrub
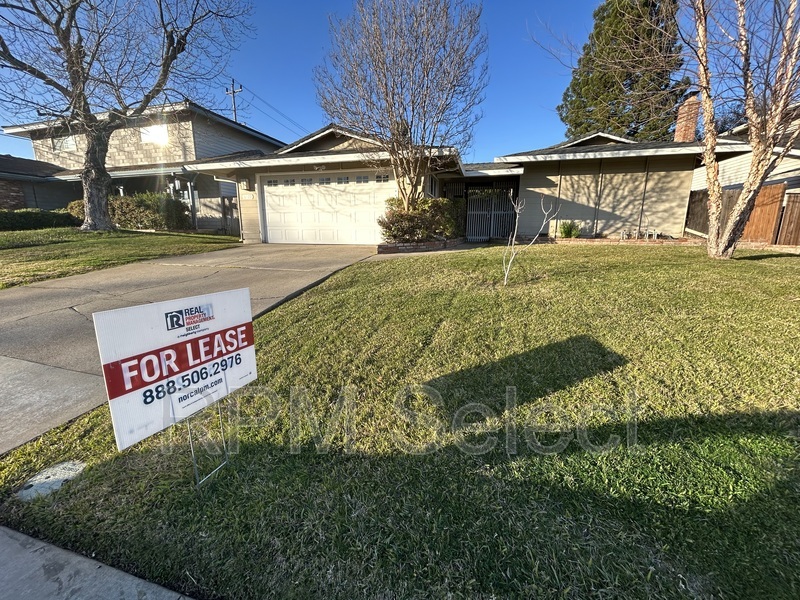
147	210
34	218
405	226
569	229
433	218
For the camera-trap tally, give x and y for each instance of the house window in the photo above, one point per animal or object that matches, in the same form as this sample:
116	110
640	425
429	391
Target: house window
381	179
324	180
342	180
64	144
362	178
433	186
154	134
272	183
306	181
288	182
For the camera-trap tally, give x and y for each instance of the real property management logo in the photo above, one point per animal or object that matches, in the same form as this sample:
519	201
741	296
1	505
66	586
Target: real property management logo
191	318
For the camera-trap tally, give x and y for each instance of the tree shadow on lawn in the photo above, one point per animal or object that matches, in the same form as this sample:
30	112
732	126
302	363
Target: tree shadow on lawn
765	256
674	515
695	506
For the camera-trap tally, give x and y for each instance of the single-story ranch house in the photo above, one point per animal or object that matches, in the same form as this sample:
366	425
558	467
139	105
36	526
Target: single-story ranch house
325	188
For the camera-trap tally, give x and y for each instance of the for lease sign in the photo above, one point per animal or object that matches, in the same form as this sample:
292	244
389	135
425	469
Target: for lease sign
165	361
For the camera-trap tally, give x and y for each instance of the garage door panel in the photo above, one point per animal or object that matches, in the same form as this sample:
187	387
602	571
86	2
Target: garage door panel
325	214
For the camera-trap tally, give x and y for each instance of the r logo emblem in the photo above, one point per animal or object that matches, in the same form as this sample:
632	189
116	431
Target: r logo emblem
174	319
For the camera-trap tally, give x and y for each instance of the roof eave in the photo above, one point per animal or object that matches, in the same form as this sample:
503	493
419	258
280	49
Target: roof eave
286	161
280	161
495	172
320	133
626	153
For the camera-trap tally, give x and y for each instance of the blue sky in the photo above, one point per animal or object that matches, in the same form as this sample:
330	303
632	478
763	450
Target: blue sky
290	39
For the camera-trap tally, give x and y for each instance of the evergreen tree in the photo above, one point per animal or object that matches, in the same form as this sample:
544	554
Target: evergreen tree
626	80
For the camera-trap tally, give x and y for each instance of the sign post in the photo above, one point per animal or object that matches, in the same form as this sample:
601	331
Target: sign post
164	362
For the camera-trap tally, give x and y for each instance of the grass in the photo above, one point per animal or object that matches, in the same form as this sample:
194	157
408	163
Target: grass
693	364
29	256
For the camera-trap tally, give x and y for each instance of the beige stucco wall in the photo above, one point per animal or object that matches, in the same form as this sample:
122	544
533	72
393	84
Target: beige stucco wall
125	148
579	187
538	182
668	186
605	197
623	185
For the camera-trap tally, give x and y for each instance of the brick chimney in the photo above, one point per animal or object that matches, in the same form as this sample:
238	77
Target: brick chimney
686	123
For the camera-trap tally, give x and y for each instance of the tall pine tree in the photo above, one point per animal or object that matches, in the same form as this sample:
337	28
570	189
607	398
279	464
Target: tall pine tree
610	91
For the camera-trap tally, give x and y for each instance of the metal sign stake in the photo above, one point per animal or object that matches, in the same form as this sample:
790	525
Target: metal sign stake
197	479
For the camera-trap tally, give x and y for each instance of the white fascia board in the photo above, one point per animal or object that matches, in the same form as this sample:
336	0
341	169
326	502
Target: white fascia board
605	154
287	161
126	174
495	172
316	137
18	129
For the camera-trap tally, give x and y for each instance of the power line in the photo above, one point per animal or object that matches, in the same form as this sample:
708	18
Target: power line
284	125
285	116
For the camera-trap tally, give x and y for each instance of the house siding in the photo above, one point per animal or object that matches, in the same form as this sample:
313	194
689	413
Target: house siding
125	147
537	185
733	172
668	186
609	196
335	142
209	203
623	188
214	139
580	184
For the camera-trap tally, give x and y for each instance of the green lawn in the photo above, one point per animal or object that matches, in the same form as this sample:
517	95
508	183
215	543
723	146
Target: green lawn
693	364
28	256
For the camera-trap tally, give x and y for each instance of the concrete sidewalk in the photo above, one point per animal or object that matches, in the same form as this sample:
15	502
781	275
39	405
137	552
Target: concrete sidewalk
34	570
50	369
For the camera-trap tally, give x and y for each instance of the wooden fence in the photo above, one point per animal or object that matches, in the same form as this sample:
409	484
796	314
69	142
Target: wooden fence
769	222
789	234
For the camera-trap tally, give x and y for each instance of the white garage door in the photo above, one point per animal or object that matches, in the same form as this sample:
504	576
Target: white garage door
324	209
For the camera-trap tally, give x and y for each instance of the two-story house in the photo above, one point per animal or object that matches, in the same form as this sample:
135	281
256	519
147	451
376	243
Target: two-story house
150	156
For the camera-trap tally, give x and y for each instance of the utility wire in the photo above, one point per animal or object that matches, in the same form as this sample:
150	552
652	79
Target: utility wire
285	116
284	125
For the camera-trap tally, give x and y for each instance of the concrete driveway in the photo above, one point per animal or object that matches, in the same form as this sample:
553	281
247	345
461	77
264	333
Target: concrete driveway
50	370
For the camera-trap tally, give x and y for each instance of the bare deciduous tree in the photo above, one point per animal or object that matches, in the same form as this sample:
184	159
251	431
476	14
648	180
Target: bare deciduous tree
95	66
411	74
512	250
743	53
748	50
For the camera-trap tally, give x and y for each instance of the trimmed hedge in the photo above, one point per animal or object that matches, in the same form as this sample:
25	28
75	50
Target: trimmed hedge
143	211
34	218
433	219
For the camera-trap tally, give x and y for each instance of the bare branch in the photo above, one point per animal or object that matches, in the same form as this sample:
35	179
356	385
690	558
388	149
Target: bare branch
409	74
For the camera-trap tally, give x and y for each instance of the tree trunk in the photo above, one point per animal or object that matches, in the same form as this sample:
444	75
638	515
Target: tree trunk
96	183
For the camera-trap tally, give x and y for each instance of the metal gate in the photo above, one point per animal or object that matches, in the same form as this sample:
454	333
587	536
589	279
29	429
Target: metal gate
490	213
